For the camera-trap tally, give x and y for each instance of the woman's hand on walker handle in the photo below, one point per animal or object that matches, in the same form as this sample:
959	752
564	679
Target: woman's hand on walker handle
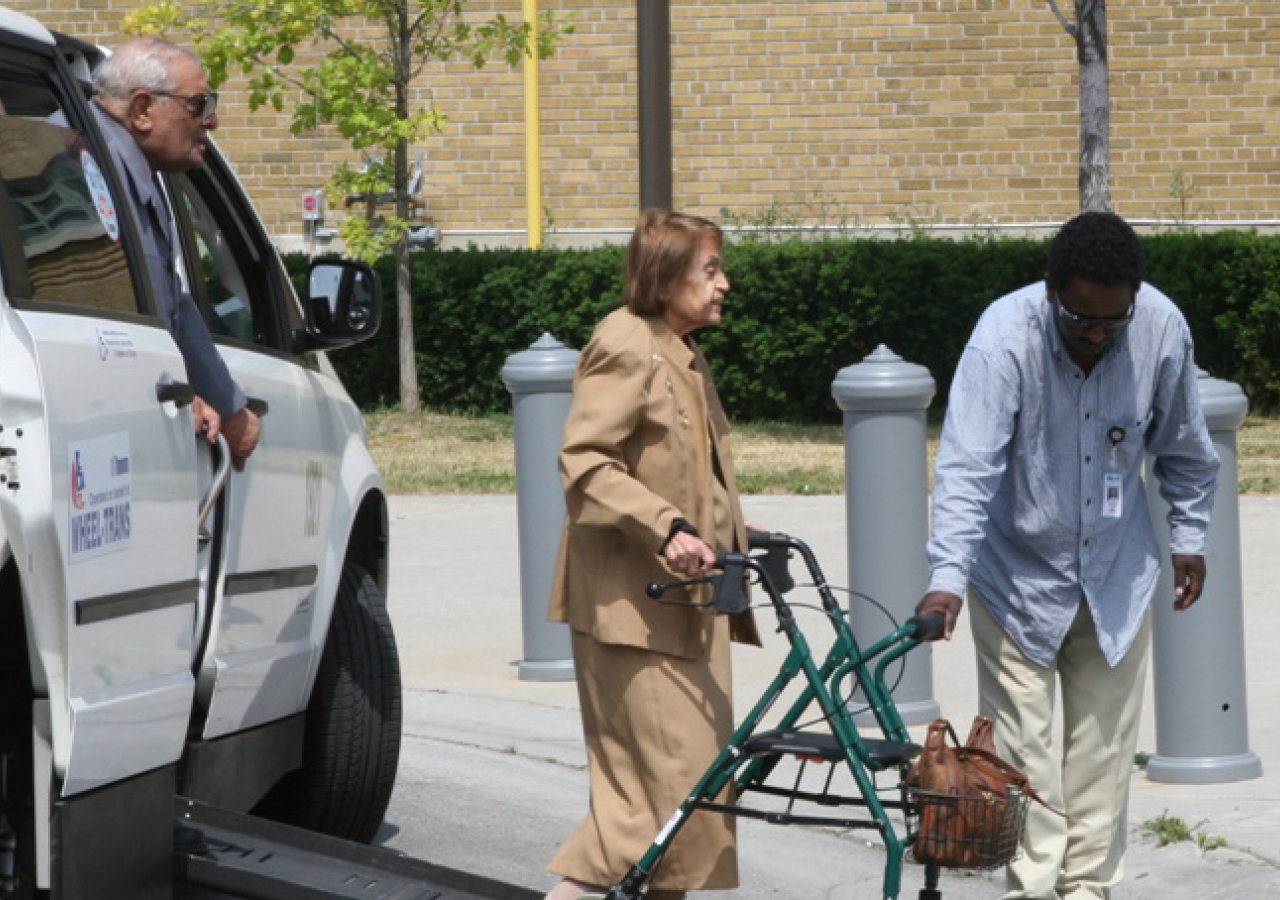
688	555
943	603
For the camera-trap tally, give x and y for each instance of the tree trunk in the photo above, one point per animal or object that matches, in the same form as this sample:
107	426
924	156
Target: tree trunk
408	352
1095	106
410	400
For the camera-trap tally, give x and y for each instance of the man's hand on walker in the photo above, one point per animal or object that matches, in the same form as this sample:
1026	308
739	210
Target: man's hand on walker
1188	580
943	603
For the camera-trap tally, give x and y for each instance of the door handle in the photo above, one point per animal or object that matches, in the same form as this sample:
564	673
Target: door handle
256	406
178	393
222	471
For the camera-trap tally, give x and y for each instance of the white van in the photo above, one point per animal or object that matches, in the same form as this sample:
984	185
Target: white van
169	626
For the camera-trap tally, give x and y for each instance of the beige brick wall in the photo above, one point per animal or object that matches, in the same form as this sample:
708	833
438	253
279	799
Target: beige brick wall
858	111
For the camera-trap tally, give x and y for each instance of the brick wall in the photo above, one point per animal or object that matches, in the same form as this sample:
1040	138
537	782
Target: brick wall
848	111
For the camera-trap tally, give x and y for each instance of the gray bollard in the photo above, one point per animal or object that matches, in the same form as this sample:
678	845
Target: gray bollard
540	380
884	400
1201	712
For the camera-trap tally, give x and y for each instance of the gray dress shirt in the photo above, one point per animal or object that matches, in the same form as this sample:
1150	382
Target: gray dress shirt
206	370
1038	496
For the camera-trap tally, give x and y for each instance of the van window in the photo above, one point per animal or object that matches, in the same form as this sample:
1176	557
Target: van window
225	291
59	229
231	270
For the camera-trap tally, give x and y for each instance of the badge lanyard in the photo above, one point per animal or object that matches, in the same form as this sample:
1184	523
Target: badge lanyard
1112	480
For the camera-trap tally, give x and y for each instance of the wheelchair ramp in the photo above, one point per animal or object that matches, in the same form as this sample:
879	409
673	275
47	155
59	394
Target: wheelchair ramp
239	857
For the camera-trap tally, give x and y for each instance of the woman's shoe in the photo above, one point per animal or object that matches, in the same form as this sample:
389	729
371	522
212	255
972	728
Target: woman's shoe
568	889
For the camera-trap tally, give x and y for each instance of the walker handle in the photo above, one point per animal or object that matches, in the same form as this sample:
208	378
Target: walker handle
766	540
655	589
928	628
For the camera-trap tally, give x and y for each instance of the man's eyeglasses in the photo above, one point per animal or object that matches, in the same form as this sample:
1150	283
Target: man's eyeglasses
199	106
1076	322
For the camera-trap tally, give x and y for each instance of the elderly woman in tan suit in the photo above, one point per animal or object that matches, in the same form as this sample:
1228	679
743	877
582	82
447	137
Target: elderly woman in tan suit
650	492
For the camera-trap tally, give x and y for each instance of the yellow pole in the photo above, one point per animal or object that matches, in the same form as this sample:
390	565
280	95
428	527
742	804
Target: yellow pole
532	132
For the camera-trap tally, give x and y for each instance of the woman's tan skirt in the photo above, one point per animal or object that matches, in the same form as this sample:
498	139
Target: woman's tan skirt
652	724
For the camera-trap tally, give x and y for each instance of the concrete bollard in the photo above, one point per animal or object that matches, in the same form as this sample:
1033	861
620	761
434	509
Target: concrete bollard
884	400
1201	712
540	380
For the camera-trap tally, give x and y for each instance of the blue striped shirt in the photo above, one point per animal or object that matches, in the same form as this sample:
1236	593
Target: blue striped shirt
1029	449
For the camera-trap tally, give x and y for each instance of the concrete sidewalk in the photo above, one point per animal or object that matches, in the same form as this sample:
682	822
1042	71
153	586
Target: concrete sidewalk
455	601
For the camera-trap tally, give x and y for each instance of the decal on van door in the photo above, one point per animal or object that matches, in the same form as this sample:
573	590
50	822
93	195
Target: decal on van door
115	345
101	503
102	202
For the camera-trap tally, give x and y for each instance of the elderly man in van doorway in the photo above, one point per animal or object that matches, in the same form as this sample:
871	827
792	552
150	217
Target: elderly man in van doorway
155	109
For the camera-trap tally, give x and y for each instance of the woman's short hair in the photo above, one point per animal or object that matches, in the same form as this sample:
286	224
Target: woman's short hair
1099	247
663	247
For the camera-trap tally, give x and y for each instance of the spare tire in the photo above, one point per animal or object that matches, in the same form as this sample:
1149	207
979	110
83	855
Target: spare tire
352	725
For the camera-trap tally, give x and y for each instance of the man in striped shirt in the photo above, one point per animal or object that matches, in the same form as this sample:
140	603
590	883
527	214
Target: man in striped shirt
1040	515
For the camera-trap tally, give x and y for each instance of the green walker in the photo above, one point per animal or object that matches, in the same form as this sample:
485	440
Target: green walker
751	755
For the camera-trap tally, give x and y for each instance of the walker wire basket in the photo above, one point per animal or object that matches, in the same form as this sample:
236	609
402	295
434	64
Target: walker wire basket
978	832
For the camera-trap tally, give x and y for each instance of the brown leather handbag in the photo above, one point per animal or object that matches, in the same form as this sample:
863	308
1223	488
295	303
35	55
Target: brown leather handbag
968	803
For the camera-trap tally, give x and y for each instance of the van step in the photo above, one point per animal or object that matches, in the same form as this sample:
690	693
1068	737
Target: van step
240	856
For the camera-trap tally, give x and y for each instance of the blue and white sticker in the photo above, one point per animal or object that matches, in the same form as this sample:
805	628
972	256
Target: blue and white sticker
102	201
101	496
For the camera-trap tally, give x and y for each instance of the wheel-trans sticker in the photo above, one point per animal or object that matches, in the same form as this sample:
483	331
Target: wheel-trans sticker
101	496
101	195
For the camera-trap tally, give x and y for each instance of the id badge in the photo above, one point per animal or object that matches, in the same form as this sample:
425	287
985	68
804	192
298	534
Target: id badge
1112	495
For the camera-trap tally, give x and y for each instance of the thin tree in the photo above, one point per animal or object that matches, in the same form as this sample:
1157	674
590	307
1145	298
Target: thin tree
365	57
1089	31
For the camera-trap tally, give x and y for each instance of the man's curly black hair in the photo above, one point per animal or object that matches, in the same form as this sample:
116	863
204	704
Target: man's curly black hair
1099	247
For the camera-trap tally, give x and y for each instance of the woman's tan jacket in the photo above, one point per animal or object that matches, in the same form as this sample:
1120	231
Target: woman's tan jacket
641	445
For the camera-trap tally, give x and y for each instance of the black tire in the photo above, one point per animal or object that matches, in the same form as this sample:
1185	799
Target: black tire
353	722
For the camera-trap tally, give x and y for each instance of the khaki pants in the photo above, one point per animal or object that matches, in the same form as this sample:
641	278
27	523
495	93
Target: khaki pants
1082	855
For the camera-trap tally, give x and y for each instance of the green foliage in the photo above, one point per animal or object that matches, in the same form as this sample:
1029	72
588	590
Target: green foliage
798	312
1250	289
473	309
370	53
1167	829
1207	842
1184	191
814	216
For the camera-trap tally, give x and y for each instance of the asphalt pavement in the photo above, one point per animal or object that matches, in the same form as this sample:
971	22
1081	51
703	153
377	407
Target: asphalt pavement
493	773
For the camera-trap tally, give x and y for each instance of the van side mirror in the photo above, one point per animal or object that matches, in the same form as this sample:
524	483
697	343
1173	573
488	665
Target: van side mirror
343	306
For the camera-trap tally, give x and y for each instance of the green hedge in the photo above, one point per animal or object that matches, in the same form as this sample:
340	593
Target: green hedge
799	312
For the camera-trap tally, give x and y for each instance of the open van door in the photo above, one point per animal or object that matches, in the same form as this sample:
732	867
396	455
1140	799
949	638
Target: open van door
100	495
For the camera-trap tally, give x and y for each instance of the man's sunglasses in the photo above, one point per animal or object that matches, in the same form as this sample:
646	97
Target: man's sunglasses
1085	323
200	106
